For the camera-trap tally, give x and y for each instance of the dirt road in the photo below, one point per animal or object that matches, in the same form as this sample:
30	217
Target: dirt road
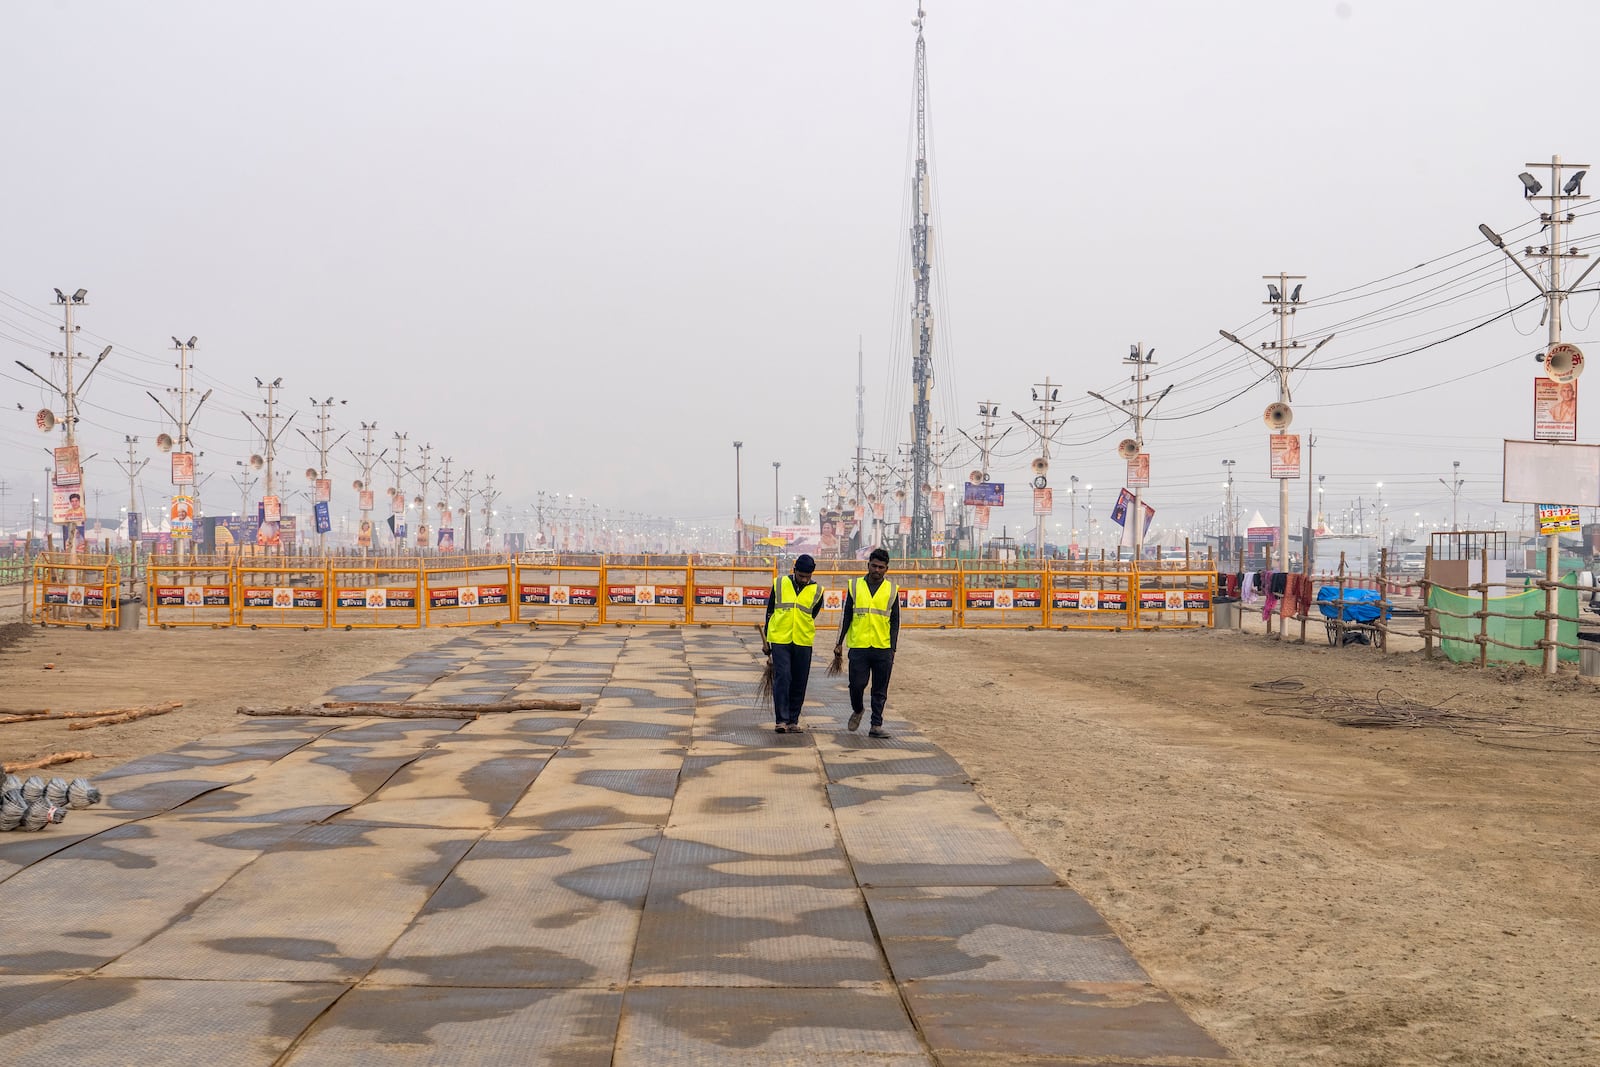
1316	893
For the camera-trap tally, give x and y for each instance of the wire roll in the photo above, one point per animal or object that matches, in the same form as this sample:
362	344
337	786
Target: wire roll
80	794
12	807
11	784
55	791
33	788
40	814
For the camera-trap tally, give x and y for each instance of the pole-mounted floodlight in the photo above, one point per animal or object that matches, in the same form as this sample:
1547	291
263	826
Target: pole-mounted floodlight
1294	297
1574	183
77	297
1530	185
1273	294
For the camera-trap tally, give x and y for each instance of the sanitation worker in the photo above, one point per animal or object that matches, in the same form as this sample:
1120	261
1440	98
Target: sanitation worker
871	628
792	611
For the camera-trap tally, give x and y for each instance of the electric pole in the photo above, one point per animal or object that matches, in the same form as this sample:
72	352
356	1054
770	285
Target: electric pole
988	410
398	492
1046	394
466	510
1561	196
423	532
1230	556
73	478
1283	303
859	514
1142	361
777	508
364	490
132	469
323	483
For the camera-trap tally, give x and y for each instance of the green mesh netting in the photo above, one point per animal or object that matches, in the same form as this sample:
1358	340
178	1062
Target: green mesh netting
1520	629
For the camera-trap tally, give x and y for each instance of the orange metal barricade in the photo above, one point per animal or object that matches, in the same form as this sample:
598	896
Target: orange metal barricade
729	595
648	595
1004	599
192	594
1174	599
1087	596
468	596
76	590
559	595
371	598
281	598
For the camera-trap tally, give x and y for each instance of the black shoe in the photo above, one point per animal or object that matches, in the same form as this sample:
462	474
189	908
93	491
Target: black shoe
855	719
877	731
781	728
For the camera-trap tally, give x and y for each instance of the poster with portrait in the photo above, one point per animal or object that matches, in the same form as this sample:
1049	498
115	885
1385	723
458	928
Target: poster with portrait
1139	471
69	472
324	490
364	500
183	468
66	507
1283	455
1555	410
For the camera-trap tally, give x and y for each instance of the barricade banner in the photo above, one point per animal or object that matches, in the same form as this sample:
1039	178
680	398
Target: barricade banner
1169	599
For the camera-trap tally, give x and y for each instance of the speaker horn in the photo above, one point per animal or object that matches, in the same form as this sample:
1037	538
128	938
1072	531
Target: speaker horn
1040	465
164	442
357	485
1563	363
1127	448
311	474
417	500
974	476
256	462
45	420
1277	416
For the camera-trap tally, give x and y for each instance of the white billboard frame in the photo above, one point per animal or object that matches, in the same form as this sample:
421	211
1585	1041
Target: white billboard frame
1551	472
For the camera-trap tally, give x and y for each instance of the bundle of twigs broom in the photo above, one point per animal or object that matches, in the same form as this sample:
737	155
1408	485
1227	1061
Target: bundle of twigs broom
836	664
764	686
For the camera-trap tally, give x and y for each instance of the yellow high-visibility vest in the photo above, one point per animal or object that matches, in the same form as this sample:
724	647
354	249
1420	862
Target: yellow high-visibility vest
792	622
869	614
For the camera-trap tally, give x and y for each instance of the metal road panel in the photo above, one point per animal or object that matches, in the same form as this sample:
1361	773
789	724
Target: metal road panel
469	788
552	728
123	889
1000	933
97	1022
306	786
464	1028
766	788
19	850
940	838
322	906
1085	1022
591	788
19	991
766	1028
734	853
528	909
756	935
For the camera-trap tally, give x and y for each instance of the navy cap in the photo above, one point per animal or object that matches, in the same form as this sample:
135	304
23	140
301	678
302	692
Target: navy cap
804	563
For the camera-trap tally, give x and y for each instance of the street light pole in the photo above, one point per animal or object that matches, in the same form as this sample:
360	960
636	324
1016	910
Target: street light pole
738	500
1454	485
777	509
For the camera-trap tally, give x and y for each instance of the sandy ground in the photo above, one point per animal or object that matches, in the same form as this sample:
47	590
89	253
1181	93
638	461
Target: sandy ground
1315	893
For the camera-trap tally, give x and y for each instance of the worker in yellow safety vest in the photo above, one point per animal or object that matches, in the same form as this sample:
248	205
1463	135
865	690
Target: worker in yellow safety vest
871	628
792	611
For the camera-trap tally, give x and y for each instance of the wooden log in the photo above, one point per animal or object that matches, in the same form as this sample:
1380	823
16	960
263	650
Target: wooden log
27	716
47	761
395	711
138	711
90	722
523	704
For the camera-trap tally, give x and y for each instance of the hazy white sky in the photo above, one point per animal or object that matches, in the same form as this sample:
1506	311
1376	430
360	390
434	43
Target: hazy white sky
585	246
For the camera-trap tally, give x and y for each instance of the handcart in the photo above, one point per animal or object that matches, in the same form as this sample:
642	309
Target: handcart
1351	615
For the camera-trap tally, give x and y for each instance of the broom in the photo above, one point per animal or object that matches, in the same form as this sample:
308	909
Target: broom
836	664
764	686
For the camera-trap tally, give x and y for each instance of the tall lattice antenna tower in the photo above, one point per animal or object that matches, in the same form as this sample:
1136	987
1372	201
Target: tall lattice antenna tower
920	543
